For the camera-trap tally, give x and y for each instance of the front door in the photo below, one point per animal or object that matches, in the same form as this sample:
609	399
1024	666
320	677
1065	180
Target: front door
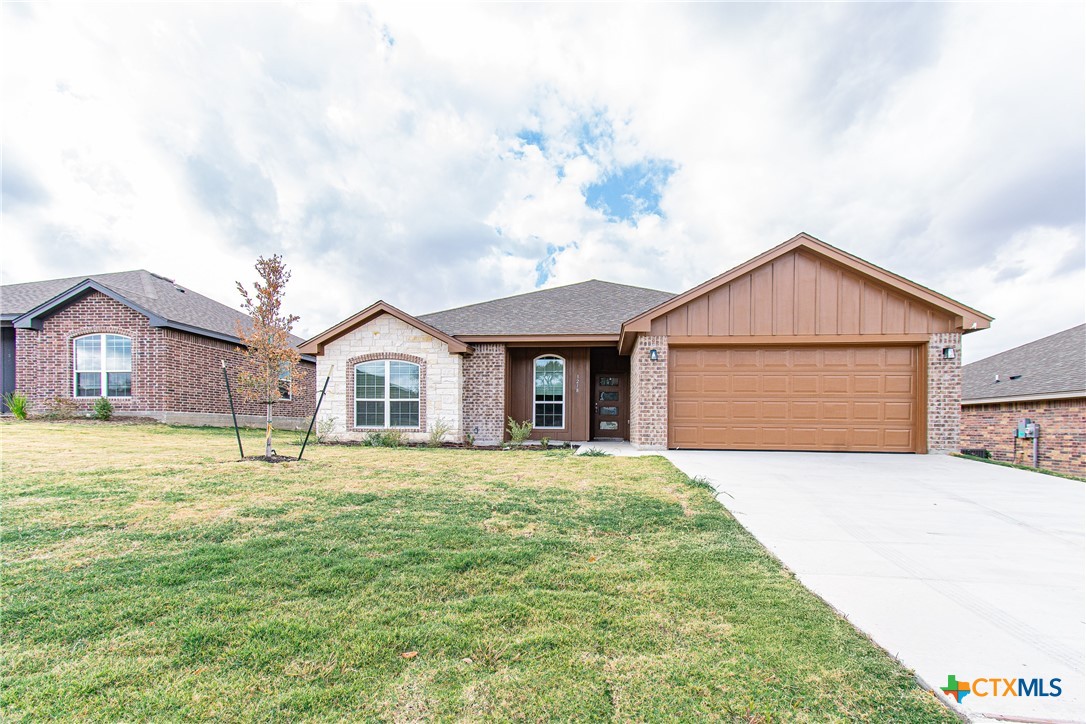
610	413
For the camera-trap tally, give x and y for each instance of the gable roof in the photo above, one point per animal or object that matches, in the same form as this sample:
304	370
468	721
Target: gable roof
162	300
315	345
587	308
970	319
1054	365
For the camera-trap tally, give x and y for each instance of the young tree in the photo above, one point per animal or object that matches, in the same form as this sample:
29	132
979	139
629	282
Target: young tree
270	369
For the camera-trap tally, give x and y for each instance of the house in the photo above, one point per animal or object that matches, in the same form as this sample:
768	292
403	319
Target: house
804	347
150	345
1043	381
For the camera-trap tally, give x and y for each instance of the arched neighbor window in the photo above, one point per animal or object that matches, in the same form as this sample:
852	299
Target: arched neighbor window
386	394
550	393
103	366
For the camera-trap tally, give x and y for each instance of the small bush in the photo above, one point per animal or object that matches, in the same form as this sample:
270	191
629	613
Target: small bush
103	408
17	404
386	438
439	428
469	439
545	443
594	452
60	408
519	431
325	426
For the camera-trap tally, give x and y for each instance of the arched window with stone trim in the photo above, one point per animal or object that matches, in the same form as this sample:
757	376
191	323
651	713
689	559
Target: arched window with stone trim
386	394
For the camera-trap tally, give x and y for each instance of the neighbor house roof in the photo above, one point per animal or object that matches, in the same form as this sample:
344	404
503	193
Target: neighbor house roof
1051	367
589	308
165	302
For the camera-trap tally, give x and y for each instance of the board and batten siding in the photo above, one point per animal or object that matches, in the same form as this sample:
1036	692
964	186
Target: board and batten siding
801	294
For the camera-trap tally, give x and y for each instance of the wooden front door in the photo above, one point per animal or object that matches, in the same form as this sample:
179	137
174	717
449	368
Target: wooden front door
610	411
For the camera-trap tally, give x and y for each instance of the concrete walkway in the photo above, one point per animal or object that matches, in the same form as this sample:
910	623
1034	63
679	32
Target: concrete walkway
954	566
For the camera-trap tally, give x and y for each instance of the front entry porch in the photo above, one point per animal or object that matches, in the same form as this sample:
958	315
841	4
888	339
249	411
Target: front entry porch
570	393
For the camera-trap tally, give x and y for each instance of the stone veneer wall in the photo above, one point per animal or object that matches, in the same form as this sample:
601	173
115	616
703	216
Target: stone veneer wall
176	376
944	393
386	337
648	394
484	393
1061	445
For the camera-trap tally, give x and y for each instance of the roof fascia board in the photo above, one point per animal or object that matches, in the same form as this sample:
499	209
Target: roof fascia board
34	318
315	345
642	322
1027	398
601	339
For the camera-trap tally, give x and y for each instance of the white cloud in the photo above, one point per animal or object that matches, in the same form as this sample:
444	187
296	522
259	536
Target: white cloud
376	146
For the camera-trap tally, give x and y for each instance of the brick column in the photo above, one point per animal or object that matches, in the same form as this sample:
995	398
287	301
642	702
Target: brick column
648	394
944	393
484	393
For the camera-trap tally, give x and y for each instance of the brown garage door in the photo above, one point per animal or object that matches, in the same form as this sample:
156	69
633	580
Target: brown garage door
794	398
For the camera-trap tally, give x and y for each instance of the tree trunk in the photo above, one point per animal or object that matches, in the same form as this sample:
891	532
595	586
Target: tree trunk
267	436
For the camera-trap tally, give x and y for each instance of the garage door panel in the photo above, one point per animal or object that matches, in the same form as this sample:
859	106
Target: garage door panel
803	398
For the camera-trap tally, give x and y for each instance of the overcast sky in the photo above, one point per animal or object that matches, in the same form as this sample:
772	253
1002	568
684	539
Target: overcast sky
433	156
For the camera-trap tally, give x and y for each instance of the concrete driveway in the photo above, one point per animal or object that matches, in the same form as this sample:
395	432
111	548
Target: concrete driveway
954	566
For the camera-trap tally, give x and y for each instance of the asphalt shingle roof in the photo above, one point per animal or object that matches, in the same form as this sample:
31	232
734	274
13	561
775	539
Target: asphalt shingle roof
153	292
591	307
1051	365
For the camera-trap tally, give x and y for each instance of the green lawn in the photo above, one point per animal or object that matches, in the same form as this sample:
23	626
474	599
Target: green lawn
149	575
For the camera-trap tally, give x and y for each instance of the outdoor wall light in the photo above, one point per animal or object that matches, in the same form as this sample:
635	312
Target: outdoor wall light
948	353
654	355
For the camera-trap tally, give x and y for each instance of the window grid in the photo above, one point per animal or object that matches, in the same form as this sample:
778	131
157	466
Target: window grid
387	394
549	388
102	365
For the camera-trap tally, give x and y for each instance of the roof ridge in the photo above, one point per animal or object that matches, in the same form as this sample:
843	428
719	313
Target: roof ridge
1024	344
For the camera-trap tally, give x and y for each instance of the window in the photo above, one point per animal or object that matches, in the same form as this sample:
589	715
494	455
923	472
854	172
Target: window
550	392
103	366
386	394
284	383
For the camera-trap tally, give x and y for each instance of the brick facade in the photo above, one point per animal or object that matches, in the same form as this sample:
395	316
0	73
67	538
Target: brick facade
944	393
387	337
176	376
484	393
648	393
1062	442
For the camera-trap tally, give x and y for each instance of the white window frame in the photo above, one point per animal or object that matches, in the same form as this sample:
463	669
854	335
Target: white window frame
286	376
104	371
565	392
387	399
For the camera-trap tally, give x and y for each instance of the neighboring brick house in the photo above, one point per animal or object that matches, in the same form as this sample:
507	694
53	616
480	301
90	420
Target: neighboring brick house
151	346
804	347
1043	381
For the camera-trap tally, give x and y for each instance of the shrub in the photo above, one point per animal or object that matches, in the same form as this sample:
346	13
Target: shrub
545	443
594	452
325	425
103	408
469	439
60	408
519	431
439	428
18	404
386	438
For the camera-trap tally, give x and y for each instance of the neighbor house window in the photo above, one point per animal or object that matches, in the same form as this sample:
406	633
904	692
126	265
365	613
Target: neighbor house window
103	366
550	392
386	394
284	382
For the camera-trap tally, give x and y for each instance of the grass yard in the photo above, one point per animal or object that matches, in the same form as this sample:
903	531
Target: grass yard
149	575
